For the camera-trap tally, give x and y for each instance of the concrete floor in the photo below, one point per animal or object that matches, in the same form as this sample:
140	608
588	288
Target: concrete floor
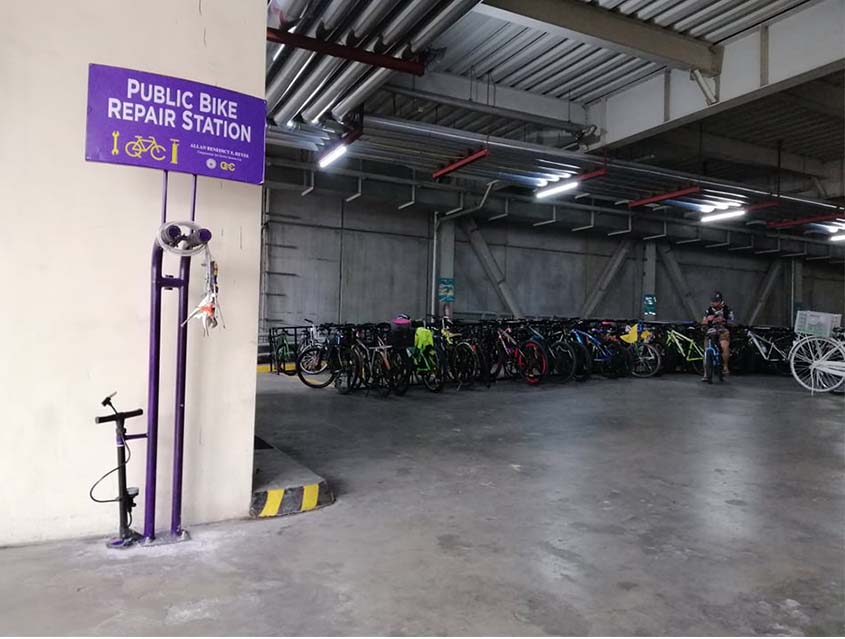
614	507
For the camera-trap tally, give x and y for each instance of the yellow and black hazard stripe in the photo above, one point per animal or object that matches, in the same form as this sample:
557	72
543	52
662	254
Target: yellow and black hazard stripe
287	501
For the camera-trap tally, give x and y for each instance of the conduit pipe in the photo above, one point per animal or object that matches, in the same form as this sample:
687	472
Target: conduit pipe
407	17
299	59
442	21
372	14
424	129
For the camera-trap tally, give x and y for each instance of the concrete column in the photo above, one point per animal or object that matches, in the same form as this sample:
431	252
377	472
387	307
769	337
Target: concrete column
445	261
97	270
678	280
649	277
488	262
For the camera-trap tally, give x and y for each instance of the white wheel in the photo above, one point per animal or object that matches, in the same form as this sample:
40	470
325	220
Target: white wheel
818	363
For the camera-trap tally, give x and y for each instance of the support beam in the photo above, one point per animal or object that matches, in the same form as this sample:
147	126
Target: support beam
676	275
344	52
464	93
638	111
717	147
649	278
766	289
488	263
584	23
610	270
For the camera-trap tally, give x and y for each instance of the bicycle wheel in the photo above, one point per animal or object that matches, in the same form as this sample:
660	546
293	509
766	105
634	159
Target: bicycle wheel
464	365
532	362
400	370
646	360
287	364
432	373
583	362
380	379
314	368
564	360
818	363
344	379
708	365
362	363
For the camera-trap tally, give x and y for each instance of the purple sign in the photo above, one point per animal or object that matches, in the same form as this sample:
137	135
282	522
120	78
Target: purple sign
151	120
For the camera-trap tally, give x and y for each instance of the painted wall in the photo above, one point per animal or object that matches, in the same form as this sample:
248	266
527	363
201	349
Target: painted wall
76	254
364	260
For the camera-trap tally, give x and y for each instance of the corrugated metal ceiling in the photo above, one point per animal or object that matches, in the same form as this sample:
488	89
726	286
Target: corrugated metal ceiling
492	50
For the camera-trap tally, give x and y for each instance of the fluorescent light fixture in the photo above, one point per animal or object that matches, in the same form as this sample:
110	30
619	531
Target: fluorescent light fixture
290	124
723	216
721	206
838	238
557	188
332	155
706	208
278	51
541	182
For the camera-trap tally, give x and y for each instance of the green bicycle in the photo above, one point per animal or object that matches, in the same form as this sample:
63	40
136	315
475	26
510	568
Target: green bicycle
682	352
422	362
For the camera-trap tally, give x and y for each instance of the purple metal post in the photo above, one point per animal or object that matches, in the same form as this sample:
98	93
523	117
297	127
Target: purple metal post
152	395
181	380
179	418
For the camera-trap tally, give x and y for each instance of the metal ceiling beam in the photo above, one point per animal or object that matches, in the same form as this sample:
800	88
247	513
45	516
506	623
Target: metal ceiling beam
745	153
299	41
592	25
490	109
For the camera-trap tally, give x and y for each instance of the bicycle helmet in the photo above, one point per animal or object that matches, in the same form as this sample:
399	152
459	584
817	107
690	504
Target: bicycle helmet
717	297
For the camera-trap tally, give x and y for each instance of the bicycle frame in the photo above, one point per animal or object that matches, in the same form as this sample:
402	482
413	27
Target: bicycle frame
582	336
686	346
767	348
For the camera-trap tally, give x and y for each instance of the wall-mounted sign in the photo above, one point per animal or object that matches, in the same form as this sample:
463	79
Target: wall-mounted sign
159	122
446	289
649	304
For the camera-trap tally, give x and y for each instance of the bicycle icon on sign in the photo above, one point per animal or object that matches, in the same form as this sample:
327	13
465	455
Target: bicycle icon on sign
141	145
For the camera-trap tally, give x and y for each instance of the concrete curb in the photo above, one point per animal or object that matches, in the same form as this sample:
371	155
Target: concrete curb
283	486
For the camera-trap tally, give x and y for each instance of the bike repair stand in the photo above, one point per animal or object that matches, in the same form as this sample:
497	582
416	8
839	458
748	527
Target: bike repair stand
125	496
184	239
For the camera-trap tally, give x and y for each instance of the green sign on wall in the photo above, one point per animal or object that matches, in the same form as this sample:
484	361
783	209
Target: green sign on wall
446	290
649	304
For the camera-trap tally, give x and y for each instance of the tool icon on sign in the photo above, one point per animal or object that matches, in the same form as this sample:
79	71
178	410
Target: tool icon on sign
114	135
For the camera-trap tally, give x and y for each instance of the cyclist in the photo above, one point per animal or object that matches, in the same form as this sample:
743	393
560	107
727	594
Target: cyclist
720	316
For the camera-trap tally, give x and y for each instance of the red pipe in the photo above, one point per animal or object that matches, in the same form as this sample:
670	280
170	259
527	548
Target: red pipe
665	196
472	157
347	53
785	224
762	205
589	176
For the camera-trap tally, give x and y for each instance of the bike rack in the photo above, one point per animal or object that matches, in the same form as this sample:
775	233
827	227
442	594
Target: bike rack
159	284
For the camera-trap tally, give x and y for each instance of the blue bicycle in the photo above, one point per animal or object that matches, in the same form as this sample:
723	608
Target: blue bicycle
712	356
